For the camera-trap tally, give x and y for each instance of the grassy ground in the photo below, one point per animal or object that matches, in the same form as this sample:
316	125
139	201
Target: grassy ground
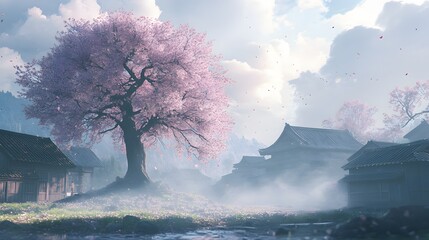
150	214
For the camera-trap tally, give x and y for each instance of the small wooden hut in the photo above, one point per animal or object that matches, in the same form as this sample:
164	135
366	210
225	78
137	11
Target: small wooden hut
31	168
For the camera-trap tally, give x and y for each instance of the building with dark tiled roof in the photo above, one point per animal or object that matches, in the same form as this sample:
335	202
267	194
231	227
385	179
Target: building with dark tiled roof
250	170
300	155
249	165
80	178
31	168
418	133
294	137
370	145
310	148
389	176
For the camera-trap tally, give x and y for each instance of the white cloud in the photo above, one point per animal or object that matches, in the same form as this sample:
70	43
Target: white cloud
35	36
310	54
8	59
231	24
312	4
261	54
86	9
365	14
147	8
36	12
366	64
255	101
257	94
264	9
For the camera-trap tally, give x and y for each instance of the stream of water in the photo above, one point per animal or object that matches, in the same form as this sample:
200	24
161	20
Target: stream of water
206	234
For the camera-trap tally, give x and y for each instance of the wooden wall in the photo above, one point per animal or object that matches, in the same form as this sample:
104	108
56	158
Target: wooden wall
50	186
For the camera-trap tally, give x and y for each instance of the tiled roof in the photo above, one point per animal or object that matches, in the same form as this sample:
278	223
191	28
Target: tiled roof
370	145
418	133
83	157
402	153
6	174
250	161
371	177
330	139
24	148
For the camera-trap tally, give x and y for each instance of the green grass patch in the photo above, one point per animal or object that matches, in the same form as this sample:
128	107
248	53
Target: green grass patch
168	212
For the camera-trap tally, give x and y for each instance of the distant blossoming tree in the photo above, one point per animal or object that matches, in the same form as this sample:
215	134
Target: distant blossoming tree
140	78
356	117
408	104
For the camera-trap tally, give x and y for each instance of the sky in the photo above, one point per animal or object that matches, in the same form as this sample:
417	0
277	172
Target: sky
291	61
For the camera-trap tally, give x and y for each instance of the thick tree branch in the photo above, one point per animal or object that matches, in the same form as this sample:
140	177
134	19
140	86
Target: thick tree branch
137	82
100	114
143	72
130	72
110	129
412	117
153	121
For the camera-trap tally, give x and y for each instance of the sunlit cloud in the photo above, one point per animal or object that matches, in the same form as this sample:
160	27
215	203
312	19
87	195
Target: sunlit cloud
367	63
8	59
85	9
147	8
311	4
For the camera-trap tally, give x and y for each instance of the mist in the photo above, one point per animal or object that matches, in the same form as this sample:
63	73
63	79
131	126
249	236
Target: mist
307	186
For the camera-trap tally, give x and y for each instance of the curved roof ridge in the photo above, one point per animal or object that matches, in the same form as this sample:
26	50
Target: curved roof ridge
398	153
321	129
320	138
19	133
297	134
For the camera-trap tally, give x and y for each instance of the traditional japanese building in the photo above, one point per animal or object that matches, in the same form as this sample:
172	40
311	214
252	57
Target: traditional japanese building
31	168
418	133
80	178
294	138
299	156
389	176
249	171
250	166
310	150
370	145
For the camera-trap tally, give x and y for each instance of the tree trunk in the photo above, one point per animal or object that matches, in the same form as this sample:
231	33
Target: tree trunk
136	173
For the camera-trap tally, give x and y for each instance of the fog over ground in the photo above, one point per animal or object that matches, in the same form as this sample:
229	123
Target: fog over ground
294	61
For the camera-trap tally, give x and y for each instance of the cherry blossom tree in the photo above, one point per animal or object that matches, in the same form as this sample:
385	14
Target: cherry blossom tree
139	78
408	104
356	117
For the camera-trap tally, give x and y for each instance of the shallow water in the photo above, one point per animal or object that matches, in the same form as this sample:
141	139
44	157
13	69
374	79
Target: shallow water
233	234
